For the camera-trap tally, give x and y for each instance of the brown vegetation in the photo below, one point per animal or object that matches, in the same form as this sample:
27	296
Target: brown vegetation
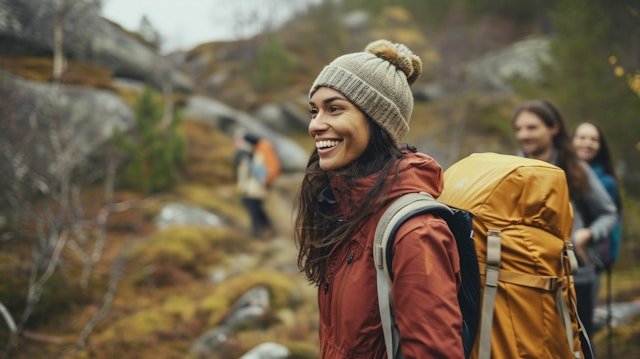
76	73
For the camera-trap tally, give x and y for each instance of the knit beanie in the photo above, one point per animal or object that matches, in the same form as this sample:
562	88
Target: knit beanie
377	81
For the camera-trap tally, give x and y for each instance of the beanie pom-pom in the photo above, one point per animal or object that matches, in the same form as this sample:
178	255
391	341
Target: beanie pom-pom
398	55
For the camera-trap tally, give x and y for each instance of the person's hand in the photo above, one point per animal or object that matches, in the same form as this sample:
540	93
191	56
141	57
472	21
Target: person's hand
581	238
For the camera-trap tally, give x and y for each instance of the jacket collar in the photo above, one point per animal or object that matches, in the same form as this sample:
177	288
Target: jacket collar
417	173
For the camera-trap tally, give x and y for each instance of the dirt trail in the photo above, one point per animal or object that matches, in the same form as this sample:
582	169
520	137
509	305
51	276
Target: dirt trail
279	207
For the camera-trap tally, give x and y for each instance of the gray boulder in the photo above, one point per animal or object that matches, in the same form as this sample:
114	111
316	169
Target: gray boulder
245	312
26	27
427	92
267	351
492	71
249	308
178	214
210	342
292	157
621	313
54	129
284	117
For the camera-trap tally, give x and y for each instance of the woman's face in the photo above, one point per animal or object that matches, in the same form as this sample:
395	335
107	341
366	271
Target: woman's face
586	141
339	128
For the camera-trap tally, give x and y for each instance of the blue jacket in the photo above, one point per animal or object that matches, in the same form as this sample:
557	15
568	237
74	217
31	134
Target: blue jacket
611	186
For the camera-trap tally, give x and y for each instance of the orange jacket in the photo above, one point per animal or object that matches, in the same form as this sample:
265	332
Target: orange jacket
426	278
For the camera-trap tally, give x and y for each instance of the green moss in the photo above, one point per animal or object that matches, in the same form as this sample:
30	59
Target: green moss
138	327
224	201
624	285
215	307
281	290
625	340
169	255
178	246
183	306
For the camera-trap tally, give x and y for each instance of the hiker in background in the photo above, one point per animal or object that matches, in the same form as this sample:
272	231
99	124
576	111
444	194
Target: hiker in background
251	177
542	134
360	106
591	146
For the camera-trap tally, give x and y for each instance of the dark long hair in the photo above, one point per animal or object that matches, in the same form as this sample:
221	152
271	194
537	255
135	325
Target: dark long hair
567	159
319	230
604	159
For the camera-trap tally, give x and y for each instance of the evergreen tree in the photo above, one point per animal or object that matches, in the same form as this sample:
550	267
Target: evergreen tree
149	32
154	152
275	64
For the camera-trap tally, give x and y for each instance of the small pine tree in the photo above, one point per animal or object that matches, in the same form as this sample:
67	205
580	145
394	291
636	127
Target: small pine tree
149	33
154	153
274	66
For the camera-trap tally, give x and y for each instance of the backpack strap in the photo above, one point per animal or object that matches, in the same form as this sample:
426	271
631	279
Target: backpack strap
570	264
493	274
490	291
400	210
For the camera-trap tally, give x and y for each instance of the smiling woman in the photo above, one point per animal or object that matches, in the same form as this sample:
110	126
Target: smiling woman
340	129
592	146
361	105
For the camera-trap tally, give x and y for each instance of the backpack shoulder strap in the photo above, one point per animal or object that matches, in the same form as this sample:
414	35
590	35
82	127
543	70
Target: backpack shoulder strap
400	210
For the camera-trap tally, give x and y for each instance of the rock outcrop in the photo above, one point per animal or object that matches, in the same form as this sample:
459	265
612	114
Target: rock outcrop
26	28
292	156
49	127
492	71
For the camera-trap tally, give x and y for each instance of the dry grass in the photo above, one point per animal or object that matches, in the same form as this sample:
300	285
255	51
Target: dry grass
41	69
209	154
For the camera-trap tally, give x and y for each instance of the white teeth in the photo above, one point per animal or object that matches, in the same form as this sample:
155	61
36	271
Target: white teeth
326	144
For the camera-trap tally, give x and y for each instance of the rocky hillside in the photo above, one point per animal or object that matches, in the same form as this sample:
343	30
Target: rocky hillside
218	82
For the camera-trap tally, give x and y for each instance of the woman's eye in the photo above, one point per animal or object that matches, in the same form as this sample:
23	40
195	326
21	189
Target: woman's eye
313	111
334	108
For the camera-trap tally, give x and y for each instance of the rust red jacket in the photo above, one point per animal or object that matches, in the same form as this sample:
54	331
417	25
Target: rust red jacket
426	278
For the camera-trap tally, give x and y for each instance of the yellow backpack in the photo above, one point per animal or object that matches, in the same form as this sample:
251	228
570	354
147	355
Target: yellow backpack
521	229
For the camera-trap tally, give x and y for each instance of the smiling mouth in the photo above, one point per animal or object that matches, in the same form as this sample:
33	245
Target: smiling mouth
326	144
